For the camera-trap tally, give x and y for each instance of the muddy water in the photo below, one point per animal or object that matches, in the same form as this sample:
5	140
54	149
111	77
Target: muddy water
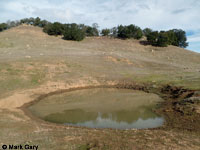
101	108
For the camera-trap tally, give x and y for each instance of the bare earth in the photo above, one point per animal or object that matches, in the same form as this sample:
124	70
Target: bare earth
33	63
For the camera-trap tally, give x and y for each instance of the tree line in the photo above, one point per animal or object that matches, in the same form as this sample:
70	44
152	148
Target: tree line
78	32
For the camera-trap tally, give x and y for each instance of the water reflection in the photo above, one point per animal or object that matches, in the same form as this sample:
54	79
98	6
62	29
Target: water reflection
119	120
109	123
101	108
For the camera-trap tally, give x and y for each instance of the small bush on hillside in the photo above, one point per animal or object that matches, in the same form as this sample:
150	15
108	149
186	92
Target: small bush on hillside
105	32
91	31
131	31
54	29
180	39
152	38
29	21
162	39
3	26
147	31
11	24
176	37
73	32
34	21
113	32
172	37
37	21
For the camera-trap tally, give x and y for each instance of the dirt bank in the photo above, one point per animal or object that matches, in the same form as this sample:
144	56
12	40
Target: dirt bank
176	109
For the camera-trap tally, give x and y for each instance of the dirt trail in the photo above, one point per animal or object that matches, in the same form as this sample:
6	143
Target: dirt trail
19	98
16	100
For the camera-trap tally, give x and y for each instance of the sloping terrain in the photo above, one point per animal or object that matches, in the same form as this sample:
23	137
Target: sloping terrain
33	63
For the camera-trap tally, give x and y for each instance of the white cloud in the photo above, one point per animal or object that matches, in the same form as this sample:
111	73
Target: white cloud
194	38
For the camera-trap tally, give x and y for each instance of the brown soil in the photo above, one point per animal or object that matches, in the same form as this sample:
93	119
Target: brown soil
34	65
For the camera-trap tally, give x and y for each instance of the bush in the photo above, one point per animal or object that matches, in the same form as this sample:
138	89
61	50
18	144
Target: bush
11	24
147	31
73	32
180	38
105	32
54	29
29	21
43	23
176	37
113	32
37	21
91	31
172	39
131	31
3	26
162	40
152	38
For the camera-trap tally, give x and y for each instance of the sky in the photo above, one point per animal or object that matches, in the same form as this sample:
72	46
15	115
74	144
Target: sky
155	14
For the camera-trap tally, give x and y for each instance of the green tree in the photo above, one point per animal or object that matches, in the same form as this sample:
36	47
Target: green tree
73	32
162	39
147	31
37	22
113	32
181	39
3	26
44	23
54	29
130	31
105	32
122	32
172	39
152	38
91	31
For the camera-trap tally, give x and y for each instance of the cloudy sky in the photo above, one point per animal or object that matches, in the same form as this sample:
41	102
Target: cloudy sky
156	14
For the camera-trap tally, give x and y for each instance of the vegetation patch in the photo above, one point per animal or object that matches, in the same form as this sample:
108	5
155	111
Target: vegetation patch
77	32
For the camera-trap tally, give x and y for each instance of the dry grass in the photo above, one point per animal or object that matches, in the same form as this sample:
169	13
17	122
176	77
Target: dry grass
33	63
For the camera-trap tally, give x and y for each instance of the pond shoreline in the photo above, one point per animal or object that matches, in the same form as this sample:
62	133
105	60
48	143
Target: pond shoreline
174	119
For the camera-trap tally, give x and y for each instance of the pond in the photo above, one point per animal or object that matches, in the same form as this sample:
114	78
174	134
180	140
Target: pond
101	108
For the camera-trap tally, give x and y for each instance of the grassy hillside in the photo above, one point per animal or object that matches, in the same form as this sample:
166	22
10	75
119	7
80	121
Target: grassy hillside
33	63
29	57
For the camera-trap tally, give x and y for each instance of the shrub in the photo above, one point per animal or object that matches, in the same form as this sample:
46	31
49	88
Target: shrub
37	21
152	38
105	32
91	31
73	32
3	26
130	31
176	37
162	40
54	29
180	38
147	31
113	32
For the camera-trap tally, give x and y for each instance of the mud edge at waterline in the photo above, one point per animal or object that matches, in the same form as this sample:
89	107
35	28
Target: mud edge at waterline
177	111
